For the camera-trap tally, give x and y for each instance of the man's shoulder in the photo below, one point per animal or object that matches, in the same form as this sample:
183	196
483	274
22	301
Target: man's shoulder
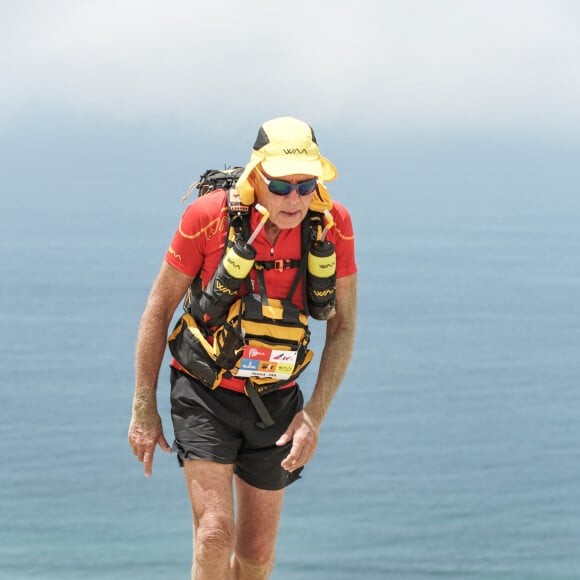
340	214
343	228
339	209
207	214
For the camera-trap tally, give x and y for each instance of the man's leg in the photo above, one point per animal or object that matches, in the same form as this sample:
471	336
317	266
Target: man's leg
258	515
210	492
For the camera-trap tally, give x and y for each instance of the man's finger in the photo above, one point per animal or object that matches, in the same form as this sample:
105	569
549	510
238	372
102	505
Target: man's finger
284	438
163	444
293	457
288	435
148	462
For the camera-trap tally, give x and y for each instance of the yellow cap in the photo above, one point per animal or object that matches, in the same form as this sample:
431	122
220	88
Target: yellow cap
287	146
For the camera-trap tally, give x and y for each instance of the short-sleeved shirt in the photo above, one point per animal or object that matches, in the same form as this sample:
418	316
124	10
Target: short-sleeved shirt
198	246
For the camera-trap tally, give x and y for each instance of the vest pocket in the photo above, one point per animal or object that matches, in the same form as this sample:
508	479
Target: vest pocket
189	352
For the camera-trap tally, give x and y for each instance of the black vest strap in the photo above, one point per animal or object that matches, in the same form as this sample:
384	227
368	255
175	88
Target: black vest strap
266	418
276	264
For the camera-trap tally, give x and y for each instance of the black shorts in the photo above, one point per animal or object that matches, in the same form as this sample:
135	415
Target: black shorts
221	426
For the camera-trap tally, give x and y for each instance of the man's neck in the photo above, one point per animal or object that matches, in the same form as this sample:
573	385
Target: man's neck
272	232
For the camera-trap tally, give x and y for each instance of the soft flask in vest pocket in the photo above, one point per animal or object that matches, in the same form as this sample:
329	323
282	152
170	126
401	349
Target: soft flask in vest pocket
322	280
222	289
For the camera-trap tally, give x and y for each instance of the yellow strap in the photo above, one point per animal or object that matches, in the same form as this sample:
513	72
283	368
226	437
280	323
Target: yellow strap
206	345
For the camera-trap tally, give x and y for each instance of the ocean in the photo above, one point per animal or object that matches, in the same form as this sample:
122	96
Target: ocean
452	450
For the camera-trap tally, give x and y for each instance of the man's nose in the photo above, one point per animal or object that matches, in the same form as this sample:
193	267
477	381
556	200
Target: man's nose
293	196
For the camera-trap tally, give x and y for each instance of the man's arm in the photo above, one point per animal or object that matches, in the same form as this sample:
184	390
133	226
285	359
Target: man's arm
334	361
145	429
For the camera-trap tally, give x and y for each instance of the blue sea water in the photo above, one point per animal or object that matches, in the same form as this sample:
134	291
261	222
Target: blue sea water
451	451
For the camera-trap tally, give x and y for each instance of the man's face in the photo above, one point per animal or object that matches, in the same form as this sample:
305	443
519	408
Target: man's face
286	211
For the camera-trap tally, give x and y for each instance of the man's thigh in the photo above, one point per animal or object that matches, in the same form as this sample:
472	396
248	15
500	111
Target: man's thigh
209	485
257	519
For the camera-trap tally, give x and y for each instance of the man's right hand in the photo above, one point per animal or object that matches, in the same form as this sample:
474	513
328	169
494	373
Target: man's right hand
144	436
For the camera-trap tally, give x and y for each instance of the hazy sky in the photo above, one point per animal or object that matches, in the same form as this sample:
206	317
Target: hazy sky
368	64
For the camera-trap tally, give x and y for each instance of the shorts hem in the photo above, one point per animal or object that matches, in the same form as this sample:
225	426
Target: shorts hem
290	479
191	454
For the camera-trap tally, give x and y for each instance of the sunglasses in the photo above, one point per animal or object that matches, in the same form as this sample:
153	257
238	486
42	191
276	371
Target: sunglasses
281	187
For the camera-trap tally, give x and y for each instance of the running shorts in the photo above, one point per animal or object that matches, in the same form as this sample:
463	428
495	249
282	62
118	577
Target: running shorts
222	425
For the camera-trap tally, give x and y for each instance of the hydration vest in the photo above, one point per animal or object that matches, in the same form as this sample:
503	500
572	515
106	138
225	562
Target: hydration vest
262	340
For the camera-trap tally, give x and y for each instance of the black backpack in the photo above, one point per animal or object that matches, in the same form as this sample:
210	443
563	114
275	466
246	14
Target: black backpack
215	179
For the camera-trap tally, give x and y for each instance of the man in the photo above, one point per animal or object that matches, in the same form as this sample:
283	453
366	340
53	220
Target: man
220	440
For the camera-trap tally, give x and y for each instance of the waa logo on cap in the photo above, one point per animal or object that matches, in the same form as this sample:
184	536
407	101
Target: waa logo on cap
295	151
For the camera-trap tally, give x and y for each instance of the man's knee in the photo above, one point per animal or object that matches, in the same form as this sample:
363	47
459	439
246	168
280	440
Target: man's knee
255	548
258	568
214	539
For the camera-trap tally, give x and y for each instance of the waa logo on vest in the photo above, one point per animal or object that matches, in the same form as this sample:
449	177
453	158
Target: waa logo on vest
295	151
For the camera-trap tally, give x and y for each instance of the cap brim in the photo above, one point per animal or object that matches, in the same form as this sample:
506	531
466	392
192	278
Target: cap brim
321	168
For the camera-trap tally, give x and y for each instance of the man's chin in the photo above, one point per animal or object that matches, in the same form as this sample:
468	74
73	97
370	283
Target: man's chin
287	221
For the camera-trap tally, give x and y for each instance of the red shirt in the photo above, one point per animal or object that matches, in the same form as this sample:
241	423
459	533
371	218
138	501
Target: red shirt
198	247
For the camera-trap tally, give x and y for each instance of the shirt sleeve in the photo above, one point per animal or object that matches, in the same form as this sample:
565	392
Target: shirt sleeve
342	235
200	224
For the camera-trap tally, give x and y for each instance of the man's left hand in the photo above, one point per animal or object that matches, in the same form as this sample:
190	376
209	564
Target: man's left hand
304	436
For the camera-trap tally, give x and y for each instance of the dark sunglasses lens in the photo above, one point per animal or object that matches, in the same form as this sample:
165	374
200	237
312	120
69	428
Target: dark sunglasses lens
307	187
279	187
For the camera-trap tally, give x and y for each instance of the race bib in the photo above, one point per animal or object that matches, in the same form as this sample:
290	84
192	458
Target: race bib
266	363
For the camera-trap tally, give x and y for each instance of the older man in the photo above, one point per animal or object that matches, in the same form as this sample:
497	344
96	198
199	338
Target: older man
228	442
